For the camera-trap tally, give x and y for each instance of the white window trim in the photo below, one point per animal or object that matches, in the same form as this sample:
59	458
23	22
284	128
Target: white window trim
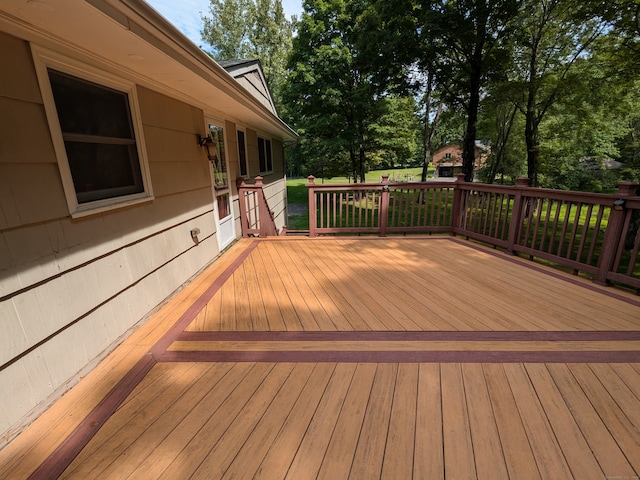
43	59
265	137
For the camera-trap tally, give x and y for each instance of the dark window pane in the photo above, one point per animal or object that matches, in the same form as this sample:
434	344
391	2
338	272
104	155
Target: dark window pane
261	155
102	171
223	206
242	154
89	109
269	159
99	138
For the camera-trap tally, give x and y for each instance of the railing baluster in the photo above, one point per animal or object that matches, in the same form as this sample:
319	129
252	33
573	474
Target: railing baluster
554	227
574	230
620	249
633	258
344	207
595	234
441	206
585	233
565	224
546	225
491	212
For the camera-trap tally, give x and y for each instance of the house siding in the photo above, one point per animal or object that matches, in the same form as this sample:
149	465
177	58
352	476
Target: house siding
253	83
70	288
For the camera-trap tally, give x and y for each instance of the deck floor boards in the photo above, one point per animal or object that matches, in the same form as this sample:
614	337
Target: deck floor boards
225	400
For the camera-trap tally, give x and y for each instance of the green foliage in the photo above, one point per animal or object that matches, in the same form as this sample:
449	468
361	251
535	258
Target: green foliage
251	29
465	43
396	134
550	85
333	94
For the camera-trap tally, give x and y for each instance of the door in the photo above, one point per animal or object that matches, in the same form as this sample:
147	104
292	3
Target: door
222	205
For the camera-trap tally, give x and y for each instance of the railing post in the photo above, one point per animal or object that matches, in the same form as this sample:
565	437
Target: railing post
242	202
267	222
613	233
262	208
313	214
516	214
456	207
383	211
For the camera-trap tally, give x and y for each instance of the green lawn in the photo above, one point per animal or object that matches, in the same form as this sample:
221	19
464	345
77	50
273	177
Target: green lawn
297	192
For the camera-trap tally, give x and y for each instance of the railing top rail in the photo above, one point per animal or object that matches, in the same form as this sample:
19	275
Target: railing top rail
607	199
378	185
583	197
250	187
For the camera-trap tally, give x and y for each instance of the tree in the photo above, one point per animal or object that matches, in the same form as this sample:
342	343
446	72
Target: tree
592	124
553	36
497	123
395	133
332	91
226	29
433	107
465	42
249	29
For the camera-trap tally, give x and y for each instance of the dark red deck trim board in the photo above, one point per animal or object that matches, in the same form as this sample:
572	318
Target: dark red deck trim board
63	455
187	317
404	356
408	336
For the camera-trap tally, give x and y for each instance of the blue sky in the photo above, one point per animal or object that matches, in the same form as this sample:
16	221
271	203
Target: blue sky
185	14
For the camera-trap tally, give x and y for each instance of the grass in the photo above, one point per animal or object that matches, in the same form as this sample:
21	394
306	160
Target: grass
297	192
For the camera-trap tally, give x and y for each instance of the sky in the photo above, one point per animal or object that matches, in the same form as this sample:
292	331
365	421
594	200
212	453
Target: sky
185	14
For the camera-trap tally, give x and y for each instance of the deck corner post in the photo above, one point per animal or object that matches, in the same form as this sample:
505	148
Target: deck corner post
614	232
244	220
313	215
383	211
522	183
456	213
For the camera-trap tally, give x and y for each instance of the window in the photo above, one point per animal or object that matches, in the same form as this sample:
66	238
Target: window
98	138
218	158
96	131
447	155
242	155
264	155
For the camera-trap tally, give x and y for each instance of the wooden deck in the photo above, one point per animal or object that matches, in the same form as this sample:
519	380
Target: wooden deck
359	358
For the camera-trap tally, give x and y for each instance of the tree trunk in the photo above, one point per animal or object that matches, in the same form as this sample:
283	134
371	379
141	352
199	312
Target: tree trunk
469	145
429	126
361	150
504	132
354	164
532	139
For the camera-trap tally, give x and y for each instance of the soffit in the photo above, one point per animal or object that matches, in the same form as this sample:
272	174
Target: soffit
134	41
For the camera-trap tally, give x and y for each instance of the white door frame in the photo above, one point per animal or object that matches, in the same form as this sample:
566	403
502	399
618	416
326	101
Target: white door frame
220	183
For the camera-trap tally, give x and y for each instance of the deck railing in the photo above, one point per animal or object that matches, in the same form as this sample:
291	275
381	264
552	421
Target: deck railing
256	217
593	233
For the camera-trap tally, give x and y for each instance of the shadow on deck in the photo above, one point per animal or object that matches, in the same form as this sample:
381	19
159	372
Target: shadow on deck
359	358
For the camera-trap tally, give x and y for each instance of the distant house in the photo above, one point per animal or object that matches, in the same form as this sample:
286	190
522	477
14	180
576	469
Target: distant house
447	160
120	141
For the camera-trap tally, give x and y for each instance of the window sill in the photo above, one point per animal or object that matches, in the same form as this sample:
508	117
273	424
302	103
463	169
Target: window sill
94	208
